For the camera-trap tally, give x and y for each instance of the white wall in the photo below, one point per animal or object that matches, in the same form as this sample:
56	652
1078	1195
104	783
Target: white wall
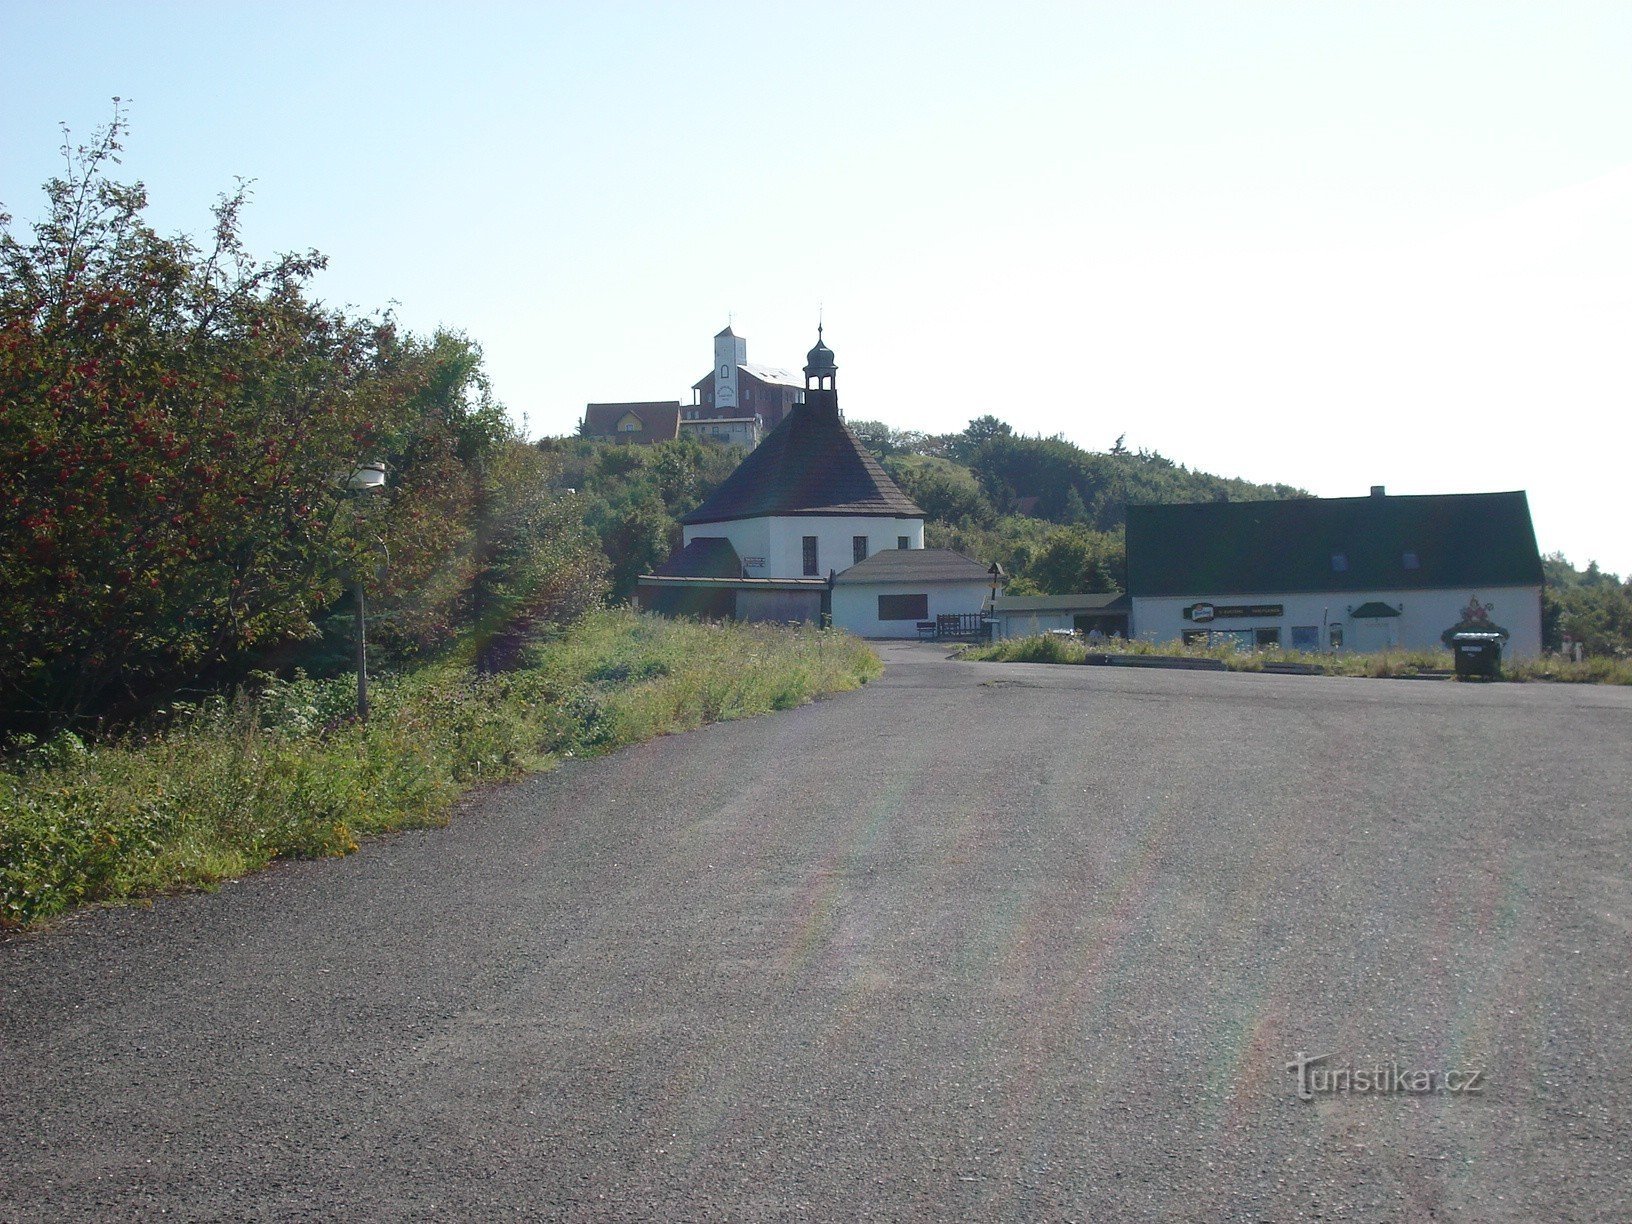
750	537
1031	623
779	542
729	353
855	605
1424	616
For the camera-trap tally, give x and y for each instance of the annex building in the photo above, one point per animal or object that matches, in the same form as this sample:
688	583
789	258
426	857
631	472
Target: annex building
1347	573
811	525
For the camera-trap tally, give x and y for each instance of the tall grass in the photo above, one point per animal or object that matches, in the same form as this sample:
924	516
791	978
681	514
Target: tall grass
230	786
1051	648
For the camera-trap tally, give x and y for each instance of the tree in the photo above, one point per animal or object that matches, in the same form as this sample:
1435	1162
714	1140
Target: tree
1075	509
1075	560
942	489
537	564
978	432
173	418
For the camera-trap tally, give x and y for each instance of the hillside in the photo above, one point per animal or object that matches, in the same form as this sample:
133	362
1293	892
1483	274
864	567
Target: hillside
1051	512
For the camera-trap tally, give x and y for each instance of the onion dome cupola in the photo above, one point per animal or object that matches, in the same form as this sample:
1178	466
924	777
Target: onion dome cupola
821	379
820	368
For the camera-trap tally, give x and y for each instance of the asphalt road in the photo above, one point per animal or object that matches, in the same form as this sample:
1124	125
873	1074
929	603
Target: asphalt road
978	942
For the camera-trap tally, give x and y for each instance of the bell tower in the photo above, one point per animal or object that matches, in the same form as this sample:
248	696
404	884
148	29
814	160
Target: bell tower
730	351
821	379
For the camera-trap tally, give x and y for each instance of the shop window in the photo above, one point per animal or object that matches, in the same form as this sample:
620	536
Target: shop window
812	569
1305	637
1267	637
1195	637
1337	637
903	607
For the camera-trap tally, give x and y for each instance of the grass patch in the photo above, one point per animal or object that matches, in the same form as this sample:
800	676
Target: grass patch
1052	648
230	786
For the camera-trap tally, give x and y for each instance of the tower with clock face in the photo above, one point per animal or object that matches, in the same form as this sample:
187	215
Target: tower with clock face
730	351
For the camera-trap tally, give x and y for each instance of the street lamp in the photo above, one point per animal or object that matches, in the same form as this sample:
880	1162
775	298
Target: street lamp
997	576
363	479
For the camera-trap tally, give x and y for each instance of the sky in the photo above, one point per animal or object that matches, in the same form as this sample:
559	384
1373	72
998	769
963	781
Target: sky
1327	244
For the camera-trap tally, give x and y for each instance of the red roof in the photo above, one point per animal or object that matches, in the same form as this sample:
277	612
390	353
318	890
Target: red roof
659	420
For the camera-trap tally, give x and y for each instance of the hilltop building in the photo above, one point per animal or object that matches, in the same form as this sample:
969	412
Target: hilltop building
810	511
642	424
734	404
1345	573
736	390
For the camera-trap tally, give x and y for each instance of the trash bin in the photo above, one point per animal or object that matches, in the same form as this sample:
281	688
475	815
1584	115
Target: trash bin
1477	654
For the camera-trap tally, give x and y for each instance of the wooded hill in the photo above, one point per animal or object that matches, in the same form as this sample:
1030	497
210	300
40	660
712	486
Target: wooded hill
1051	512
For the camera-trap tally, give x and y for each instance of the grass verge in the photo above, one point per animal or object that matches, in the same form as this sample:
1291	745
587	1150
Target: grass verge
1055	649
230	786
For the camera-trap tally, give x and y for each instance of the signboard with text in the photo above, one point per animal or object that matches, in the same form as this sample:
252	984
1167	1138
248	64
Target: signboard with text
1204	612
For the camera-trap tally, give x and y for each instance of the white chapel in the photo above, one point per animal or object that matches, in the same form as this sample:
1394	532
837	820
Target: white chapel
807	505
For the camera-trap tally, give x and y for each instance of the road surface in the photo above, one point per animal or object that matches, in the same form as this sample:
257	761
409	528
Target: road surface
978	942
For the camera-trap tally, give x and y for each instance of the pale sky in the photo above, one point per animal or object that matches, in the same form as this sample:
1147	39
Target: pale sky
1323	243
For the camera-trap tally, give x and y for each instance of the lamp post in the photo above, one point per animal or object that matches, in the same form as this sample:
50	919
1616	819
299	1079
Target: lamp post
997	575
363	479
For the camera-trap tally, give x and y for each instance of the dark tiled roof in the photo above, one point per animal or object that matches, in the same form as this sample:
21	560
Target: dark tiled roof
704	557
809	464
915	565
660	420
1332	544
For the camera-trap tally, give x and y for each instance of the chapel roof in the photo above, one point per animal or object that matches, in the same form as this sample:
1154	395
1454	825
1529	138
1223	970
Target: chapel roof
809	464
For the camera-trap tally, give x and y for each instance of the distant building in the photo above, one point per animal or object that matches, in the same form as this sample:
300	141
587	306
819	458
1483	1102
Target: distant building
734	404
735	390
725	431
809	523
1346	573
643	424
892	593
1027	615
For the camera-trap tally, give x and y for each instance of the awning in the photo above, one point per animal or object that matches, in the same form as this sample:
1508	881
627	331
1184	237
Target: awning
1370	611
